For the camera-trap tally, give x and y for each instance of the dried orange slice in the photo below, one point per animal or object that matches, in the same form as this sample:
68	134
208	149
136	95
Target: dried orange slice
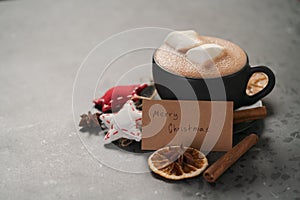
256	83
177	162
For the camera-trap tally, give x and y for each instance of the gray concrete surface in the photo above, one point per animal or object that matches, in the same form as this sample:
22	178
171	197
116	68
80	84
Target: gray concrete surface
42	44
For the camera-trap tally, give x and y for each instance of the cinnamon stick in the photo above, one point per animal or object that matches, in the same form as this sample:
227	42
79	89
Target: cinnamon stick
228	159
249	114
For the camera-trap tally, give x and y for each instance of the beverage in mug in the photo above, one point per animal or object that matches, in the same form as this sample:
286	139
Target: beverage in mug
192	67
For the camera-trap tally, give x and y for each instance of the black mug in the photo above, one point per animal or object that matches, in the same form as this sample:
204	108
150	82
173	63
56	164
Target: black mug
175	87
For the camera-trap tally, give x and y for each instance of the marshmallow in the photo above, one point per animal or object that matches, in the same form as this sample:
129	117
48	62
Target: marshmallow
204	53
183	40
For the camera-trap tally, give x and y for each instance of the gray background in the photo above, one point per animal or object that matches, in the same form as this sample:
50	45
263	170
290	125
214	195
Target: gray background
42	44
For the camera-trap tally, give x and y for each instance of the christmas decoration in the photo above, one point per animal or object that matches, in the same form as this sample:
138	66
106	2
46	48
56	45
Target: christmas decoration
116	97
123	124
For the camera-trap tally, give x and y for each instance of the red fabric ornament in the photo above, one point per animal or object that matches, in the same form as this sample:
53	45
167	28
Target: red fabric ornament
114	99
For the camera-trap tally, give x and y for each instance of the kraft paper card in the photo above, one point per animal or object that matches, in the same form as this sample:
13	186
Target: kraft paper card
205	125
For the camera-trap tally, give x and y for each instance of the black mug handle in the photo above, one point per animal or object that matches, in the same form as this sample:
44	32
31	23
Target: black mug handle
266	90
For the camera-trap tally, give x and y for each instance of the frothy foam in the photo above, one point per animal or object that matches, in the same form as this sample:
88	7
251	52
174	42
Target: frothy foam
232	60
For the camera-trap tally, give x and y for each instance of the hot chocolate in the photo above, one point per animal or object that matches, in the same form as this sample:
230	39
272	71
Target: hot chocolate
192	67
231	60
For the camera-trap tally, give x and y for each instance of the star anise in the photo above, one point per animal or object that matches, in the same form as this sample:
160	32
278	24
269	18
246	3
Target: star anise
177	162
89	120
